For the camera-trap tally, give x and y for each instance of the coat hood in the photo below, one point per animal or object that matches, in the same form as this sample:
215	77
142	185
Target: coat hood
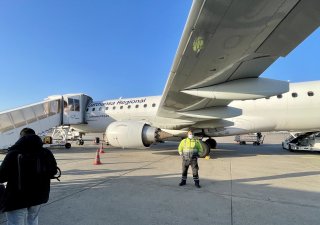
28	143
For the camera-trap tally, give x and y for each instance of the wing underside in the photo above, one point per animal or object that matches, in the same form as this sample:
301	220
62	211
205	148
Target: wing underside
225	47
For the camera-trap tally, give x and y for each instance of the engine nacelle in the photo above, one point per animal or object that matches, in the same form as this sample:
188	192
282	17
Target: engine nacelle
131	134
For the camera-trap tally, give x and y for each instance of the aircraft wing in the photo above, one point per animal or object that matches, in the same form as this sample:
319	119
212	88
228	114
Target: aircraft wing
225	47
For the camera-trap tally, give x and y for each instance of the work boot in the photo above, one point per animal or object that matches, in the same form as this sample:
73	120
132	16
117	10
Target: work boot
196	183
183	182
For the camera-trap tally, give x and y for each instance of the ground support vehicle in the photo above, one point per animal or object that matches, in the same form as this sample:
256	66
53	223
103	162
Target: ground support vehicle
309	141
255	138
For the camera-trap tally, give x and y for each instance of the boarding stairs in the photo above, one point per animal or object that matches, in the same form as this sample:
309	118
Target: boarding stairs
53	112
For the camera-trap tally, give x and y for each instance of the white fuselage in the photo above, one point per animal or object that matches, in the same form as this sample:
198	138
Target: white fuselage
296	110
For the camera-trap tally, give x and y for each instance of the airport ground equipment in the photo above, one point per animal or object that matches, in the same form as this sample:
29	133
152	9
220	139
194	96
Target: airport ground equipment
58	138
309	141
54	111
255	138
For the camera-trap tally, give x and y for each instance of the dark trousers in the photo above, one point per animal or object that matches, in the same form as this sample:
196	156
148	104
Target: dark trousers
194	165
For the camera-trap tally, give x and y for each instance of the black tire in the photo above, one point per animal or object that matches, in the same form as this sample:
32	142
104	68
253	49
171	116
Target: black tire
67	145
212	143
205	149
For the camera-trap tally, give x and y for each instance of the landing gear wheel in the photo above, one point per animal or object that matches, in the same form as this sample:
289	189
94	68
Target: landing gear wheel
80	142
212	143
67	145
205	149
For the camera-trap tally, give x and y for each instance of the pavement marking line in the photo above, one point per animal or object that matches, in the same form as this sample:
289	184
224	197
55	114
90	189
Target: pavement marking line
231	194
104	181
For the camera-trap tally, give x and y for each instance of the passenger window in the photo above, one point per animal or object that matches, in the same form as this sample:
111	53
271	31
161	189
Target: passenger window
137	106
87	109
294	95
145	105
93	109
113	107
310	93
129	106
107	108
121	107
154	105
99	108
279	96
267	97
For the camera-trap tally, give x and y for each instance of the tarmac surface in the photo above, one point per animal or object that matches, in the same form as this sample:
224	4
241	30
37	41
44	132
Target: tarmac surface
241	184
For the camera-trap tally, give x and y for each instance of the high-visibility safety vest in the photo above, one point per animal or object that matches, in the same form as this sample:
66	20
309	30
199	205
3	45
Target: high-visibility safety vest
190	147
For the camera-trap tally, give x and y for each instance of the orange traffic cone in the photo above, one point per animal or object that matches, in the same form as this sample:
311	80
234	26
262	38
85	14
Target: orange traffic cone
97	160
101	148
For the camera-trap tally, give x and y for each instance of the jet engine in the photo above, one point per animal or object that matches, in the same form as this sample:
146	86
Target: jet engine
132	134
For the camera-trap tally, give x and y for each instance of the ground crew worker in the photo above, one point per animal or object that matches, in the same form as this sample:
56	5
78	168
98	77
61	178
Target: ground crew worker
190	148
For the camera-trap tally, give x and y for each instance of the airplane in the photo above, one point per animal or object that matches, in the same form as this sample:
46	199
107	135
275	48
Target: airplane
214	85
134	122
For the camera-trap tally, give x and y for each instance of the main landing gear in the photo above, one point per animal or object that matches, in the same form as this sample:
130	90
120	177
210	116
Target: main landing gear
212	143
207	146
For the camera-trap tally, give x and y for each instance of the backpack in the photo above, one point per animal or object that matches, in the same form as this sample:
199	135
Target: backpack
36	167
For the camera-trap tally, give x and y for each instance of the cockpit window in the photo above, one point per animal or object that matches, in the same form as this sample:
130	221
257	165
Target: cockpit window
87	109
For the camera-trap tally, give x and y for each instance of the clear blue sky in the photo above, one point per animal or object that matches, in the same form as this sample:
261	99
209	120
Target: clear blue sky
106	49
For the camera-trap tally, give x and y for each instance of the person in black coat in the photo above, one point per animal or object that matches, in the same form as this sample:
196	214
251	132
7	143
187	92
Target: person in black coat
27	169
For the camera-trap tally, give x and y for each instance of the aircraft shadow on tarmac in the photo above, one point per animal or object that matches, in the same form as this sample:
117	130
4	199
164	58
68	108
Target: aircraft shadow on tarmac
225	150
162	191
